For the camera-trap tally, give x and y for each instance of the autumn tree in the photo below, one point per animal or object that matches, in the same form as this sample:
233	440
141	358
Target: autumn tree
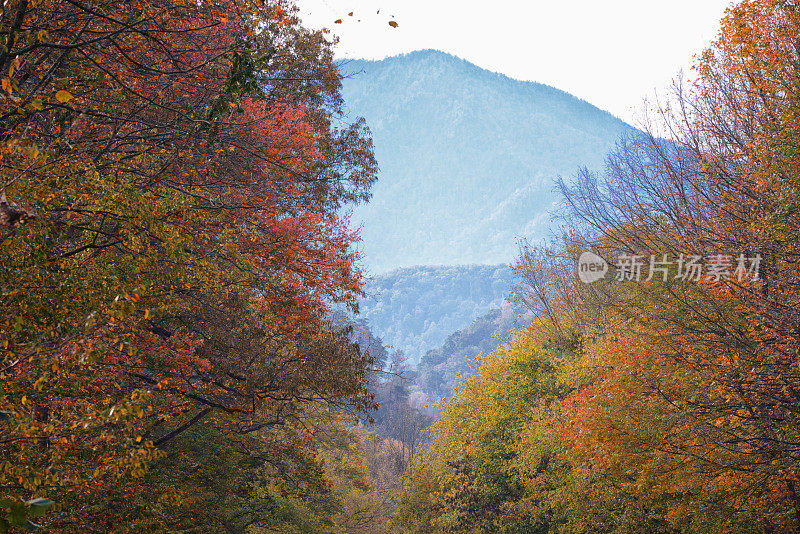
180	176
681	410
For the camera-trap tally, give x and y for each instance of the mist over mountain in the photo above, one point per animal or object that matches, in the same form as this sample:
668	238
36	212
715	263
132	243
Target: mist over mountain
468	158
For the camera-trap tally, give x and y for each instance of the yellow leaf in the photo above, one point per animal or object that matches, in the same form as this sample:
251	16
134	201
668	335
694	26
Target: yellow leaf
63	96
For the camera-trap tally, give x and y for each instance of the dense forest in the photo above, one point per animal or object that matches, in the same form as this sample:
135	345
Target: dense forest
441	370
171	248
190	341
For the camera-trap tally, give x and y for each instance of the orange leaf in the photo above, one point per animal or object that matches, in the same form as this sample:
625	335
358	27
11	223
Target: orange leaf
63	96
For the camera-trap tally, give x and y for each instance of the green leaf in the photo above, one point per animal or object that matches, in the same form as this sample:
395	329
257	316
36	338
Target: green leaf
16	515
39	506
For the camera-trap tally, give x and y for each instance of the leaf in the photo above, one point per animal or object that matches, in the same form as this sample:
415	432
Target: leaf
64	96
16	515
393	24
39	506
337	21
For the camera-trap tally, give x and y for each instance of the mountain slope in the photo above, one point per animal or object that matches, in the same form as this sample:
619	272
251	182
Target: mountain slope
416	308
468	157
442	369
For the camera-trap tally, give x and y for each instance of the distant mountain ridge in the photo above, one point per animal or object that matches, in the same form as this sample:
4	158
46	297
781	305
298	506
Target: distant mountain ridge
414	309
468	157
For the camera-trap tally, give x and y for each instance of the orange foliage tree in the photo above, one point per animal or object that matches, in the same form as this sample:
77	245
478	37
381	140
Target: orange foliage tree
680	407
169	234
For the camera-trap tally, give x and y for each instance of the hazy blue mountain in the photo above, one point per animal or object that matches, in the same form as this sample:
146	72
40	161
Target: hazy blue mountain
468	158
440	370
414	309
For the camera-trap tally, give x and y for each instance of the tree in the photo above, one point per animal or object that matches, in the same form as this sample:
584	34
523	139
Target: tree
681	400
184	175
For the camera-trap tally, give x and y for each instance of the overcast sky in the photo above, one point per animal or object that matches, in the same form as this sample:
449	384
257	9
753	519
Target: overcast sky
612	53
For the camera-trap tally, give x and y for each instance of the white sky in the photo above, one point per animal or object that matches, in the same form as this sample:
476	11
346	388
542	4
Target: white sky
612	53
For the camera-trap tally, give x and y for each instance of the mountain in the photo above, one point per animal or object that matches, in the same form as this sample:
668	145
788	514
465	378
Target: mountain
467	157
441	369
415	308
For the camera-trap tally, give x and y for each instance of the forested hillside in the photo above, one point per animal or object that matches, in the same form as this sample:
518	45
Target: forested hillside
416	308
657	389
442	369
191	340
468	158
